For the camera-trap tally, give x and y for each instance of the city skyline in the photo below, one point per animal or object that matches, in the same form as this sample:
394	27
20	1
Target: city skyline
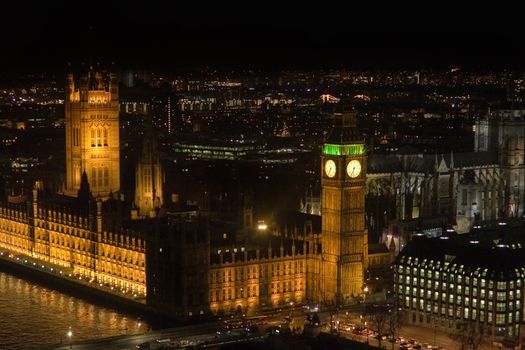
270	174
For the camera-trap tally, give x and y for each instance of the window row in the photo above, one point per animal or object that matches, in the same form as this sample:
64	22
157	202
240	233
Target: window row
232	293
465	312
452	289
99	136
99	177
283	287
452	278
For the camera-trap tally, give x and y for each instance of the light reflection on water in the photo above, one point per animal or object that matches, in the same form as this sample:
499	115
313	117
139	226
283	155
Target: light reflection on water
32	316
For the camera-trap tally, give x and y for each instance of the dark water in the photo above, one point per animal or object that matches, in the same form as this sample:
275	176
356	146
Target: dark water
32	316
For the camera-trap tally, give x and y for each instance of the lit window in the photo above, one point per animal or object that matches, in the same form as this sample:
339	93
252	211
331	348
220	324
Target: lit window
501	307
106	177
99	138
94	177
105	136
500	319
100	177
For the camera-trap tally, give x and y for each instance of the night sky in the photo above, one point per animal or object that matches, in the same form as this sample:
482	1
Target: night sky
263	35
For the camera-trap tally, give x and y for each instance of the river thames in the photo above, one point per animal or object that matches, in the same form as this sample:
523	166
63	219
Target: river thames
33	316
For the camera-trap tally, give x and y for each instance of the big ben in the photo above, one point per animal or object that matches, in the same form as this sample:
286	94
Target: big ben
344	236
92	132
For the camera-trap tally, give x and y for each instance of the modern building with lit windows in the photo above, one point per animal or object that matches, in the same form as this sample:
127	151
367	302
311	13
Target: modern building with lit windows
448	281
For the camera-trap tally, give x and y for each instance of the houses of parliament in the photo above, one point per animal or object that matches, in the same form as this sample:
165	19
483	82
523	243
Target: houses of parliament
179	262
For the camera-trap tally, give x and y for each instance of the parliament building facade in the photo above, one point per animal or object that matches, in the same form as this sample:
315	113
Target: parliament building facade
178	263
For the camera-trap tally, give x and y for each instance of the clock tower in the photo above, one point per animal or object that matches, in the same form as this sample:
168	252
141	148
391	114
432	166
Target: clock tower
344	236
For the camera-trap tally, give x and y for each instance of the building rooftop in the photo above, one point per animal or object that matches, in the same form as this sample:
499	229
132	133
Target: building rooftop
377	248
428	163
494	253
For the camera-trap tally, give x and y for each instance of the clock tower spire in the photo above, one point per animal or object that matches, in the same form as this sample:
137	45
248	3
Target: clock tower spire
344	236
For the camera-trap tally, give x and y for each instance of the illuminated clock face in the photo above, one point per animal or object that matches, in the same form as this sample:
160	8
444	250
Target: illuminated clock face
330	168
353	169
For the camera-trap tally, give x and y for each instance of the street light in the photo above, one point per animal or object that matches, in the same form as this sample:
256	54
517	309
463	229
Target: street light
70	334
366	329
365	292
261	225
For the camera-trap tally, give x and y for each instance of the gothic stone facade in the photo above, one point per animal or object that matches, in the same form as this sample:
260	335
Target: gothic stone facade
75	242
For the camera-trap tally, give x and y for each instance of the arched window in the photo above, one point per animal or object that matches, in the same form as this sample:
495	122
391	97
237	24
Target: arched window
147	179
100	177
105	136
106	176
93	139
99	137
94	177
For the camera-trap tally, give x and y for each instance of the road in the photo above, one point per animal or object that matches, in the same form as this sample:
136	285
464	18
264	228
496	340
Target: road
197	332
207	332
130	341
423	335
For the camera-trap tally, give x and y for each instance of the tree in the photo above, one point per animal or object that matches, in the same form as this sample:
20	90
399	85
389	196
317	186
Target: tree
470	335
394	322
379	316
315	320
